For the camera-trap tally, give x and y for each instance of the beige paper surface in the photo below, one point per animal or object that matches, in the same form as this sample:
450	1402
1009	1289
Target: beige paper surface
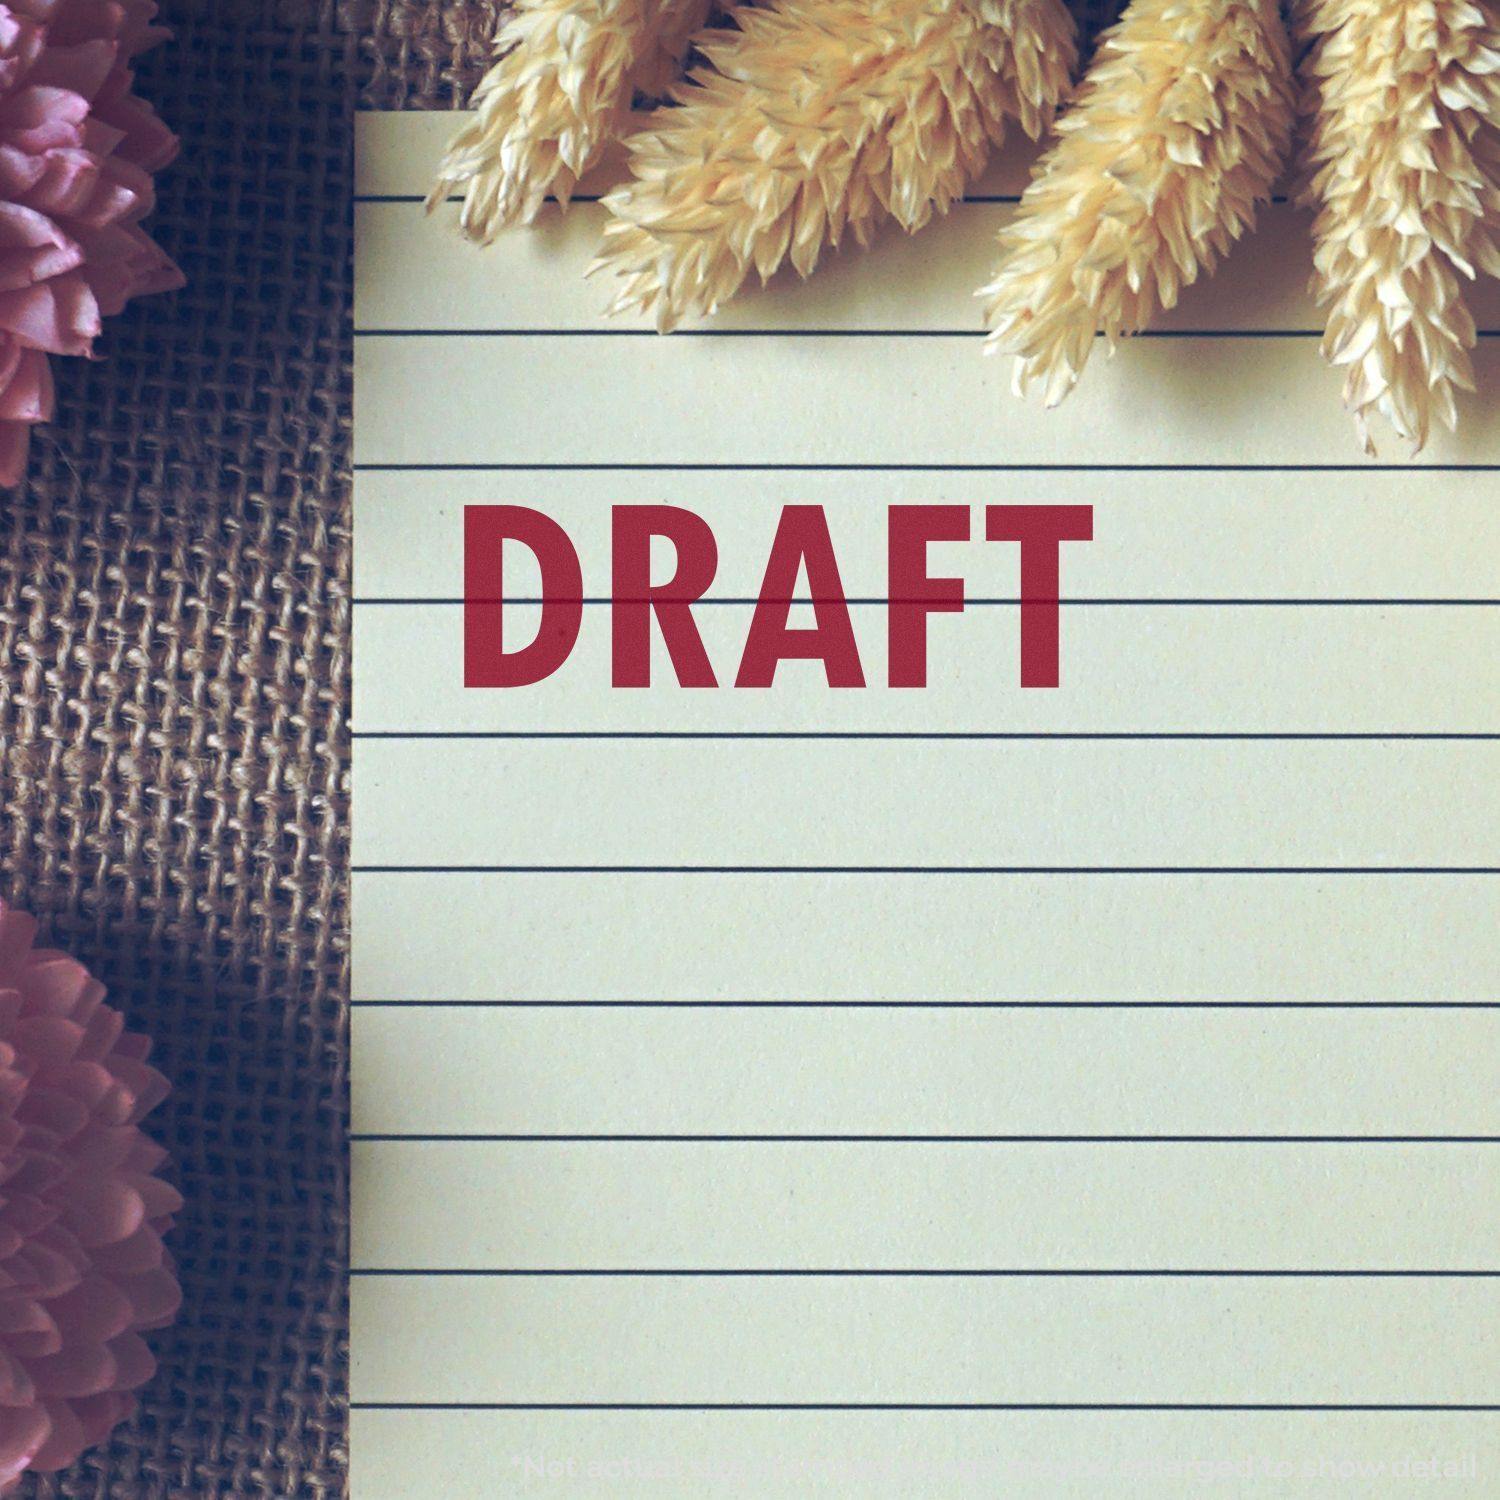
968	1090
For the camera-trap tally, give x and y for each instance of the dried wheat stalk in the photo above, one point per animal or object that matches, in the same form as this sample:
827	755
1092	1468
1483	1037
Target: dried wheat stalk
820	119
559	92
1403	97
1179	129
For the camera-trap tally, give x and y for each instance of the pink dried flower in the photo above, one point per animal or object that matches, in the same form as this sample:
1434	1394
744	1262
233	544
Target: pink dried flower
82	1268
77	150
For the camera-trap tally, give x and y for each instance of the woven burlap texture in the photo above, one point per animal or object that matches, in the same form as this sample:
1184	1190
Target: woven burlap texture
174	688
173	695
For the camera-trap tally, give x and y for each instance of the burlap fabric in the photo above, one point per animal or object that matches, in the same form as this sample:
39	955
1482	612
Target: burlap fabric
174	690
173	706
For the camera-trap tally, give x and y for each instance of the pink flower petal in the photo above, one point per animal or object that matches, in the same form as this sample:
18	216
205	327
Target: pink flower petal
38	117
23	1430
60	1115
56	984
103	1211
27	397
103	1029
17	931
142	1251
101	1414
155	1295
64	1441
60	316
162	1200
15	442
95	1309
134	1362
51	1040
80	70
77	1369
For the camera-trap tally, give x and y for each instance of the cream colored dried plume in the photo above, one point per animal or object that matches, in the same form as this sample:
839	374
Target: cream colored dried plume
820	119
1178	130
559	93
1403	98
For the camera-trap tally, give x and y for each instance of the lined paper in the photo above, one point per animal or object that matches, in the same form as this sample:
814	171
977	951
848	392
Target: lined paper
938	1092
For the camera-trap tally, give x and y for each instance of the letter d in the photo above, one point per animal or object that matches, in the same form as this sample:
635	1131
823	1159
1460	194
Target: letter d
486	530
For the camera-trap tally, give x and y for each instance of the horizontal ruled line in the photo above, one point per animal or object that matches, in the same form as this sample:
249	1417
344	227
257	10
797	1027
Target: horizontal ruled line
1341	870
977	334
1141	602
813	333
932	1406
454	200
1354	1005
967	198
594	197
480	1138
774	467
914	734
1006	1273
